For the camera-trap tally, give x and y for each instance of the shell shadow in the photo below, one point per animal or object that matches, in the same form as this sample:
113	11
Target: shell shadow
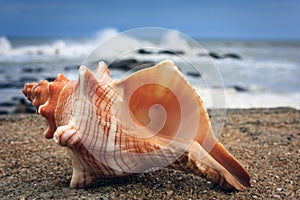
160	180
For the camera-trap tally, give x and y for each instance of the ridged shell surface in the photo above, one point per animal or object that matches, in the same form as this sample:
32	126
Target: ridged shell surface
154	118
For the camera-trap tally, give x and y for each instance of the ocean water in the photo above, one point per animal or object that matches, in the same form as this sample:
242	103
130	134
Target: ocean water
233	74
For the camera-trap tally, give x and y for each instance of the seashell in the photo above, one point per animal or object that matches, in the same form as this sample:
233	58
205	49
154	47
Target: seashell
151	119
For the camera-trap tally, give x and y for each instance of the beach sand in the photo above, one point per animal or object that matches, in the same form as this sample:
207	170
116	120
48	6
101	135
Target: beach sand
265	141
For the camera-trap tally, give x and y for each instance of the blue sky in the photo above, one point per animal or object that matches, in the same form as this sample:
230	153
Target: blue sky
251	19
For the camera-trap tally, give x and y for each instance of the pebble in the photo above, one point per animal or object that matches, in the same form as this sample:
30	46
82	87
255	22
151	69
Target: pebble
276	196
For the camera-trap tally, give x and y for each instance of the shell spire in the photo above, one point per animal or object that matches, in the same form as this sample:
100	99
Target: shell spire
44	96
153	118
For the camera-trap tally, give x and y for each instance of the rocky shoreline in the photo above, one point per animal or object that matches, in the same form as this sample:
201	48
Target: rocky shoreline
26	74
265	141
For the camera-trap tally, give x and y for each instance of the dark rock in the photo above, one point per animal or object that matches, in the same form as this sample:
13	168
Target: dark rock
171	52
232	55
243	129
129	64
32	70
194	74
11	84
239	88
179	52
144	51
215	55
7	104
23	107
219	56
5	85
50	79
71	67
17	84
17	105
3	112
16	98
123	64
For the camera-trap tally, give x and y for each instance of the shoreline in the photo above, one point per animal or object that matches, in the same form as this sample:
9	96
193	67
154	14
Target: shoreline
265	140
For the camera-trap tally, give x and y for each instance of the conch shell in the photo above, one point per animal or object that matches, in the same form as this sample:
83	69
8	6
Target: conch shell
151	119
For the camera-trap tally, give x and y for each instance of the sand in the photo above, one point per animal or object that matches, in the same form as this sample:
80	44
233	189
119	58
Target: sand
265	141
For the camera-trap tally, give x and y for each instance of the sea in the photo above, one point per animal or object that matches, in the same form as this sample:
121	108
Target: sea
225	73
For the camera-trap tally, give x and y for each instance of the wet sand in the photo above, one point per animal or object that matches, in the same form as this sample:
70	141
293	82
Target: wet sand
265	141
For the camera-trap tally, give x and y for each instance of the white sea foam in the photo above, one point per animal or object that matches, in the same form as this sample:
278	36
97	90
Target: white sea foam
71	48
269	72
262	100
5	45
235	99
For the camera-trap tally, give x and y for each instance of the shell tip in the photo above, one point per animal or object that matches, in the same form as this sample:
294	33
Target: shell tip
101	64
82	70
167	62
